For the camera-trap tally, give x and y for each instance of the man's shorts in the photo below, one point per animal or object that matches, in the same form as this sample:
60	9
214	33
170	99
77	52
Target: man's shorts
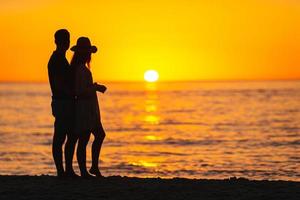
63	111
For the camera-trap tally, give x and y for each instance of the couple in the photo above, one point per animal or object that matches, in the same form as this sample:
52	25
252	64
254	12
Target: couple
74	106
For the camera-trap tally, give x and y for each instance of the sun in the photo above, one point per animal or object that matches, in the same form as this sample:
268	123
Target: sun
151	76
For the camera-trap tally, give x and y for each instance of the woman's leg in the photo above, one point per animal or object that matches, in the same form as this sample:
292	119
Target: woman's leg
99	135
81	153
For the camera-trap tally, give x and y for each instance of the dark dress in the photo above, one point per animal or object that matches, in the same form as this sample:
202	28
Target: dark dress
87	111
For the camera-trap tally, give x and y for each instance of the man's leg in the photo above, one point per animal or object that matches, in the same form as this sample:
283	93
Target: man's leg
72	137
69	153
58	141
99	135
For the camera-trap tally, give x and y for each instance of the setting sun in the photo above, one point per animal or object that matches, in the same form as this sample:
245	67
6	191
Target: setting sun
151	76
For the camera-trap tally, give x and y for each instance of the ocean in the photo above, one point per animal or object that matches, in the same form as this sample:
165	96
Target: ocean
210	130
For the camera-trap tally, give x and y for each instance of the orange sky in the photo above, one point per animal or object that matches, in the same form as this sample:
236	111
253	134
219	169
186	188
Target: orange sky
181	39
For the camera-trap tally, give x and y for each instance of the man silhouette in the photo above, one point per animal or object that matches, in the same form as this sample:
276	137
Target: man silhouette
61	83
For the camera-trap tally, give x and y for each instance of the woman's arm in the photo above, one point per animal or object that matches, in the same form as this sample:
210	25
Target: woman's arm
100	88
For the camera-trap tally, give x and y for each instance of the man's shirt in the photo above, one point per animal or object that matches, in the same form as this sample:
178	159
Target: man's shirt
60	77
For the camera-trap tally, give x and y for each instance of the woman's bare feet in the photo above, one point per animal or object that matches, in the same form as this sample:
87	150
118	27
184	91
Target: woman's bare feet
96	172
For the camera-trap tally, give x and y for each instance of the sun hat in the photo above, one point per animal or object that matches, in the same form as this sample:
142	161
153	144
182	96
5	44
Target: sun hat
84	45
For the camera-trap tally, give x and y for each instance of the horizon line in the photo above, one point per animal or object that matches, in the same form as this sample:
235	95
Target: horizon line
167	81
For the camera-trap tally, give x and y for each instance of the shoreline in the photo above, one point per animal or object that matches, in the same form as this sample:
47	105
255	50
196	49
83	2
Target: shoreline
117	187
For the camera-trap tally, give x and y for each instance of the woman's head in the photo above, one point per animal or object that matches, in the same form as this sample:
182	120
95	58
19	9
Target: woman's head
81	58
82	51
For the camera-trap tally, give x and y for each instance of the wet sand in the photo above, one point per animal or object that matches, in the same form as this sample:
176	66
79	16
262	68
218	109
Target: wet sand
116	187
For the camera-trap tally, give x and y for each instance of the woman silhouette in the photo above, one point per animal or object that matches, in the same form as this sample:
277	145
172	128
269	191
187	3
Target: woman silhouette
87	113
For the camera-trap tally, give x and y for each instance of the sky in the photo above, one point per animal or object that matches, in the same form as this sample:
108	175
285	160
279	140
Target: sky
181	39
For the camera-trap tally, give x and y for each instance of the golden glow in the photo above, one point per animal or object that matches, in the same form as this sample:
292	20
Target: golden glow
151	76
145	164
152	138
152	119
151	86
185	40
151	108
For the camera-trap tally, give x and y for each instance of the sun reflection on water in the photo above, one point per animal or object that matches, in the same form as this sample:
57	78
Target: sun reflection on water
143	163
151	86
152	138
151	107
152	119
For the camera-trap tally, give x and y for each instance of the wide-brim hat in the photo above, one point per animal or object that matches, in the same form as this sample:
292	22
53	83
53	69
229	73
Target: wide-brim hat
84	45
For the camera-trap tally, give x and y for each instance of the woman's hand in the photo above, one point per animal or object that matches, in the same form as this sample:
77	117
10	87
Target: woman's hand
100	88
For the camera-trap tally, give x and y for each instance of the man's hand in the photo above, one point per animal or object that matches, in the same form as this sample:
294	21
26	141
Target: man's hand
100	88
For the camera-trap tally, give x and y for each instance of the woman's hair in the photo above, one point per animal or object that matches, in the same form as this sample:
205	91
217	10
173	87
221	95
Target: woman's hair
81	58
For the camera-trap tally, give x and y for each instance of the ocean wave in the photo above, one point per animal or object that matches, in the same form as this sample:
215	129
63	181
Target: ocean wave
183	142
173	122
282	143
24	94
157	153
132	129
289	129
133	168
181	111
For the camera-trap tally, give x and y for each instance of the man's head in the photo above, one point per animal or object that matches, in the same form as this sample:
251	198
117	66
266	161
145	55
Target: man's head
62	39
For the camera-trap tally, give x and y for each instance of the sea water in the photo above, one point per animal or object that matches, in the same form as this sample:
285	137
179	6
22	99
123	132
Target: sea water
176	129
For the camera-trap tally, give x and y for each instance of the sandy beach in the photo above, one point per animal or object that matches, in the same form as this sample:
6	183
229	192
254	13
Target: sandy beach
116	187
